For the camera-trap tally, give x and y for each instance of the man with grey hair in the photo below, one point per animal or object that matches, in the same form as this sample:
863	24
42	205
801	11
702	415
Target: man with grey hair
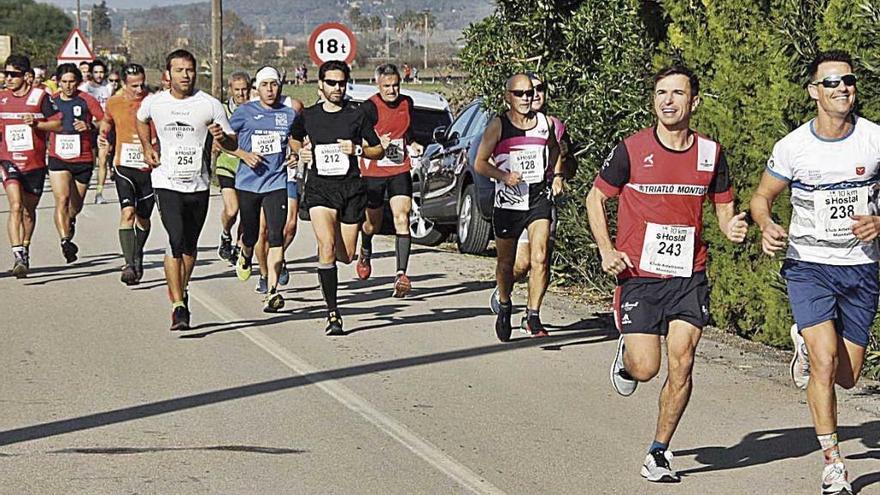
227	165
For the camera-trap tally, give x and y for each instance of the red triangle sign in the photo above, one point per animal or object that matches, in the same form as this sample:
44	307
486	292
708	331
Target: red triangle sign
75	48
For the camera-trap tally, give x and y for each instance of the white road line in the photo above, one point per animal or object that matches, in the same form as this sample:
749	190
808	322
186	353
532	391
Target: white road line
345	396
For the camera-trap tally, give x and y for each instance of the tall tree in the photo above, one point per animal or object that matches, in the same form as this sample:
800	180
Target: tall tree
102	32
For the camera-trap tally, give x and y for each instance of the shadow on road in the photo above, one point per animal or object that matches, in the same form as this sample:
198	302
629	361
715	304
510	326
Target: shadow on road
766	446
250	449
60	427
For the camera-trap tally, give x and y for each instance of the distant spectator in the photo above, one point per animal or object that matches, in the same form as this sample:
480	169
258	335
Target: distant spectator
407	73
415	75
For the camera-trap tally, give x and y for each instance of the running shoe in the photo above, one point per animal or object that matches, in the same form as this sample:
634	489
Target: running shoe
139	269
243	268
800	362
494	302
535	328
334	324
834	480
273	302
262	286
657	467
129	275
20	268
363	268
236	250
99	199
623	383
402	285
180	318
224	250
523	326
69	250
284	276
502	322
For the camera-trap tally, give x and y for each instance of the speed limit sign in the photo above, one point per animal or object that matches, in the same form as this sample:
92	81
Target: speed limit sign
332	41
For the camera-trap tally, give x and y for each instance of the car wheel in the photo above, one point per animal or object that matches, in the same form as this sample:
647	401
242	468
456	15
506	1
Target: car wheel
422	230
473	231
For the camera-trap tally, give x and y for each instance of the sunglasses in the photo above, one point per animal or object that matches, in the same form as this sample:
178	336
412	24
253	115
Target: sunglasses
334	83
113	80
134	69
13	73
541	87
519	93
834	81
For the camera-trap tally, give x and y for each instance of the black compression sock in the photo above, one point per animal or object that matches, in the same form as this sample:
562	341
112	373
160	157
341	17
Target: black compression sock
128	242
367	244
142	236
403	243
328	278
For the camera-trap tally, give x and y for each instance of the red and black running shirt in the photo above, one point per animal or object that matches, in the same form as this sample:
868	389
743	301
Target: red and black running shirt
394	119
662	186
22	144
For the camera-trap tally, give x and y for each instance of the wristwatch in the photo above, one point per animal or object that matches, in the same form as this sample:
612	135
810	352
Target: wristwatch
358	150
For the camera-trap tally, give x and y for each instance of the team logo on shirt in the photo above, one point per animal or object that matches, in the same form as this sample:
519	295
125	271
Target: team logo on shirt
180	129
608	158
648	162
4	100
770	163
860	170
629	306
77	111
281	119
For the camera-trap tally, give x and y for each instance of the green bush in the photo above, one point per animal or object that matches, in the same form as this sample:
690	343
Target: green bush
751	58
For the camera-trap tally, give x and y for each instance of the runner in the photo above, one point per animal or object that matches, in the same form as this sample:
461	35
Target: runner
227	165
26	115
85	71
263	129
71	154
523	262
98	87
390	114
522	145
662	176
335	192
115	82
831	165
133	184
185	120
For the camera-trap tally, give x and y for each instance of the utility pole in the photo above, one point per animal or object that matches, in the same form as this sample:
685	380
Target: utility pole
78	19
387	41
426	39
217	48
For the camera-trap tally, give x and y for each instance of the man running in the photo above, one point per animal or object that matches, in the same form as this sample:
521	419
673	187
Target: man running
523	262
98	87
133	184
263	129
227	165
335	192
831	164
185	119
390	114
26	115
662	176
522	146
71	154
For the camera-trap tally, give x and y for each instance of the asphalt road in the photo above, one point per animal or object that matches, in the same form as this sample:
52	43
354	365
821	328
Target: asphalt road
99	397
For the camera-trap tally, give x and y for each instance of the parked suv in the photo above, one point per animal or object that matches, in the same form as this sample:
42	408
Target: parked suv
453	197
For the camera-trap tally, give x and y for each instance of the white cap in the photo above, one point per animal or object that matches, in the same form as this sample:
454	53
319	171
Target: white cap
266	74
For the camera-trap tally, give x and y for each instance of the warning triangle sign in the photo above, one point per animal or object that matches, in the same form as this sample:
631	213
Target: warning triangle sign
75	48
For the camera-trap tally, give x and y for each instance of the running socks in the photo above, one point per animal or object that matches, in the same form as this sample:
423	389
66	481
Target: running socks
128	242
366	244
178	304
402	248
329	280
830	448
142	236
655	446
19	252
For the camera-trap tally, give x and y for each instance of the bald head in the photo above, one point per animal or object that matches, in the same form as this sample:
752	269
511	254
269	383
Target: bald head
520	80
519	94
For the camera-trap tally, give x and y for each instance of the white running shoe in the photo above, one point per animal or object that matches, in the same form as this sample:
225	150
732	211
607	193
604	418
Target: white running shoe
834	480
657	467
494	302
800	362
623	383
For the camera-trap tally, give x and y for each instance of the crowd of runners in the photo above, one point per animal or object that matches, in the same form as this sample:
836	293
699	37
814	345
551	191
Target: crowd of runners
348	162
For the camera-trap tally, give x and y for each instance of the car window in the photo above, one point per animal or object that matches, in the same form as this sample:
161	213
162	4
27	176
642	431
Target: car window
479	123
461	123
425	121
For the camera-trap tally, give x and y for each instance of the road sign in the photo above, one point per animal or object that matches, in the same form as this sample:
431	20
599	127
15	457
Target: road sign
332	41
75	49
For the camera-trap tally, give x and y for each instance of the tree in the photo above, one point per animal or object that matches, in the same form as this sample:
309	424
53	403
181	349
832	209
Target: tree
102	34
37	30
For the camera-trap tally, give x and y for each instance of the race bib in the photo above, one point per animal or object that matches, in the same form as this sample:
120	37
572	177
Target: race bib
266	144
668	250
67	146
527	163
186	163
132	155
330	160
394	154
834	209
19	138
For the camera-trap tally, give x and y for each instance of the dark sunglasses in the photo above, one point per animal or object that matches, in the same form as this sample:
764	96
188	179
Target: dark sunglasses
834	81
113	80
334	82
519	93
541	87
13	73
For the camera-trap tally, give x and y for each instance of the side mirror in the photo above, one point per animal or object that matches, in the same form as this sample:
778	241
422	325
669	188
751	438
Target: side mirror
439	134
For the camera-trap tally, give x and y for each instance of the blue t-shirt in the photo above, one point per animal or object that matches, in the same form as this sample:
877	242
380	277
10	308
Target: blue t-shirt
265	132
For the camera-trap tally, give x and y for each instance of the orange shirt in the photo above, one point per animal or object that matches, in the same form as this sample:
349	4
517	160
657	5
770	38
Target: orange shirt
121	112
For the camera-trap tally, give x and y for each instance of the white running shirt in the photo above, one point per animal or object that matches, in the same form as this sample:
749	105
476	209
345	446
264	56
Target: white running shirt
830	180
184	140
101	92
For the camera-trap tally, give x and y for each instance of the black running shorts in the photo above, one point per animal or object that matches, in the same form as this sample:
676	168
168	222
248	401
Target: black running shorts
183	216
348	197
395	185
135	189
31	182
226	182
510	224
274	204
647	305
82	172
